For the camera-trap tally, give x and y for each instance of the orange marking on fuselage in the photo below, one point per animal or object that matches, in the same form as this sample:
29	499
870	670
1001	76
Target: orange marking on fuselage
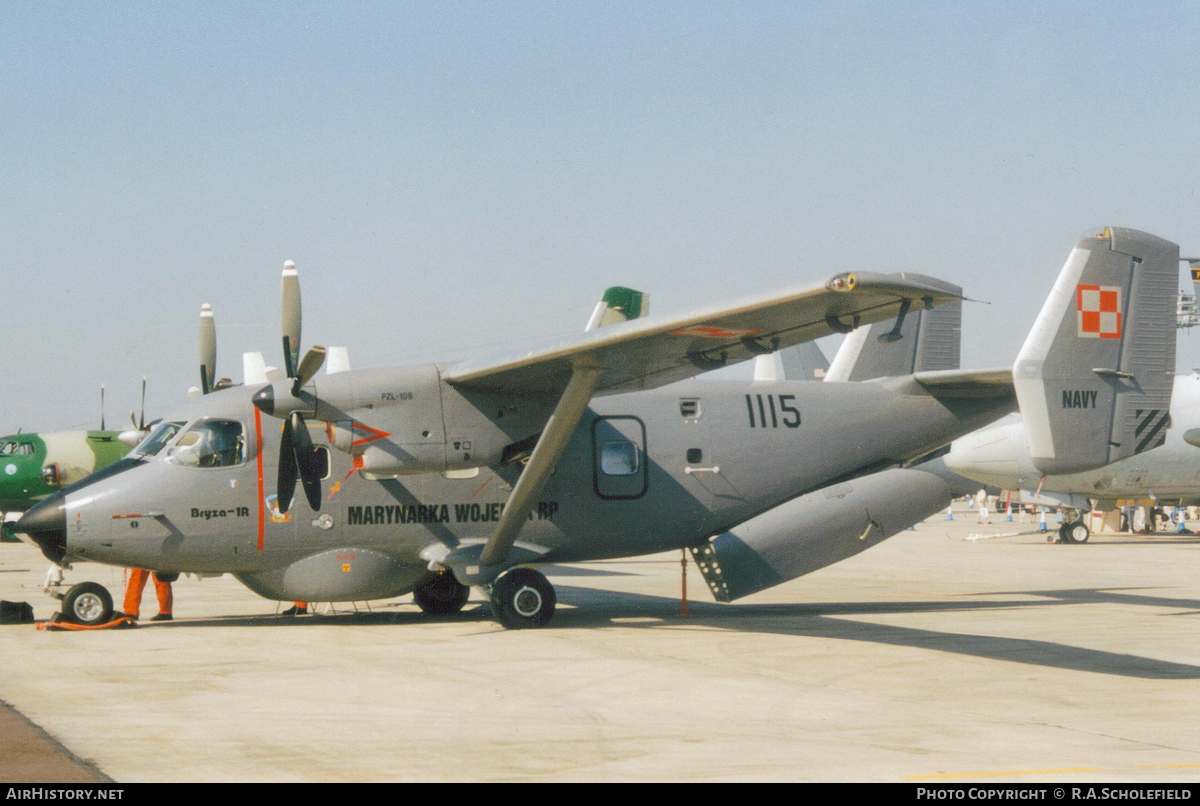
258	461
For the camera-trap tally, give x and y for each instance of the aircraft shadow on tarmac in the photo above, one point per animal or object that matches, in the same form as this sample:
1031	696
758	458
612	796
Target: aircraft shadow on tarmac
588	608
1149	540
596	608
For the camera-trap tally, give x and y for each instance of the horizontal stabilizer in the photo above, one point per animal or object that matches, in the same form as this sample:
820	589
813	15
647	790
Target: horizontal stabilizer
1095	374
967	383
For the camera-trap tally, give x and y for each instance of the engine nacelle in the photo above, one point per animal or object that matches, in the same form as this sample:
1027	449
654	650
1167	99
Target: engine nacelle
407	421
818	529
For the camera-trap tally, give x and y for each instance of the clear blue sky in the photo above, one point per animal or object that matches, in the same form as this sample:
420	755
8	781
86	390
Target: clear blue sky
453	177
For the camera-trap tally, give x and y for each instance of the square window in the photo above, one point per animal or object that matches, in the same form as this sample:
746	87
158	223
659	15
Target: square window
695	456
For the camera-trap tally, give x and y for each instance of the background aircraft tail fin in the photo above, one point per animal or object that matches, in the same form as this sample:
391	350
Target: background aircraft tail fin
1095	374
804	362
921	341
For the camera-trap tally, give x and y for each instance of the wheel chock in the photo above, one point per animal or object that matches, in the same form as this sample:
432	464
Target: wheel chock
56	625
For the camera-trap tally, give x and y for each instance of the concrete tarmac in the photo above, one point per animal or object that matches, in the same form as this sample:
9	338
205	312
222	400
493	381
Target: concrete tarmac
932	657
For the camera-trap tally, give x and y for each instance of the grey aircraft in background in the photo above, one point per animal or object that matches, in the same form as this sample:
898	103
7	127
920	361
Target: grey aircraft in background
431	479
1165	466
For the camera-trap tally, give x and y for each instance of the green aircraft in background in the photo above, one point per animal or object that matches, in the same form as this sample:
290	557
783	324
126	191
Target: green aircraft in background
36	465
33	466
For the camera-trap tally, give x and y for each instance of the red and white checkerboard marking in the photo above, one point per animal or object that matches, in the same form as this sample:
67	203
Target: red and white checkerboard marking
1099	308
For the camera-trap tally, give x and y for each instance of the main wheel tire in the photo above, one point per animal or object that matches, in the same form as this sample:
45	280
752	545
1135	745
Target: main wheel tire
523	598
442	595
87	603
1076	532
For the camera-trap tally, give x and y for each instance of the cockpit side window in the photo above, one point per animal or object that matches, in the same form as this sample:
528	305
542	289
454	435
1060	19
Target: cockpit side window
8	449
26	449
154	441
210	443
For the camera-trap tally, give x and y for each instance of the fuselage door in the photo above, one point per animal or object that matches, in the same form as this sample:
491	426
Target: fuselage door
619	457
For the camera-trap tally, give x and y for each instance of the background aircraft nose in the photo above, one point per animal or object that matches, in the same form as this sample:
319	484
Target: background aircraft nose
46	524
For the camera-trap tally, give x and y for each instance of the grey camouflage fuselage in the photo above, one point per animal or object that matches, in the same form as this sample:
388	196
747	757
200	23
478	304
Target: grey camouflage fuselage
706	456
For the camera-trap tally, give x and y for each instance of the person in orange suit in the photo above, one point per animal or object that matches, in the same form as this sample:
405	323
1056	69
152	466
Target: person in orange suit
162	588
297	609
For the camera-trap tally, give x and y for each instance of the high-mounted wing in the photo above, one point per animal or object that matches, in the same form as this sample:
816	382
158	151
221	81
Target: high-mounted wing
658	350
654	351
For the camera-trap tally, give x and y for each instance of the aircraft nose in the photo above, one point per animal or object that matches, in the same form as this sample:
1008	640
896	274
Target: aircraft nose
46	524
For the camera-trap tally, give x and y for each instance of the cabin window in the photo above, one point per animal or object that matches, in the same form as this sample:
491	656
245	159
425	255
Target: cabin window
618	458
154	441
695	456
25	449
210	443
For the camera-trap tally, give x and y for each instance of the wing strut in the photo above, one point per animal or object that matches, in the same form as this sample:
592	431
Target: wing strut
546	453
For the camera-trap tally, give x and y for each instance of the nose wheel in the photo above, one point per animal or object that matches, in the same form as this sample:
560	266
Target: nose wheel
522	598
87	603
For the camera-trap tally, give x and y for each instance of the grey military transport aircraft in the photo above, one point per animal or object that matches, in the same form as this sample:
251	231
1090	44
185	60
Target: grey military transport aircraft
447	476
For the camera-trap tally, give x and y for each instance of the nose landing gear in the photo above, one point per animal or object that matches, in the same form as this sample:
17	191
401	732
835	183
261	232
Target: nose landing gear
87	604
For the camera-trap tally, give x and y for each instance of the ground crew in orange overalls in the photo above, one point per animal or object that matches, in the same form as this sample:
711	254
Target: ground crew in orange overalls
133	594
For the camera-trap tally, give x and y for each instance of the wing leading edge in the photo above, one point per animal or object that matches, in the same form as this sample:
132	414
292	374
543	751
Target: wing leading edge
655	351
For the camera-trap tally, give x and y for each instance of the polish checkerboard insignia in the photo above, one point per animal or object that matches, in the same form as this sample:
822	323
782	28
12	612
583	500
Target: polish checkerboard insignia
1099	308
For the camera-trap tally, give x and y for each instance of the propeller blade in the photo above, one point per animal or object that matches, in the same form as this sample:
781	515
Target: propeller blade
208	349
291	318
310	476
141	425
312	362
102	407
287	469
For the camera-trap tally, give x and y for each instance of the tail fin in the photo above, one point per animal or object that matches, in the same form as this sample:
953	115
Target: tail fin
618	305
803	362
921	341
1095	374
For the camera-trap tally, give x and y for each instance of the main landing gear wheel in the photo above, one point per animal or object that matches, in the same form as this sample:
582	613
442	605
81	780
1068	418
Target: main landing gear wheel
442	595
522	598
1076	532
88	604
